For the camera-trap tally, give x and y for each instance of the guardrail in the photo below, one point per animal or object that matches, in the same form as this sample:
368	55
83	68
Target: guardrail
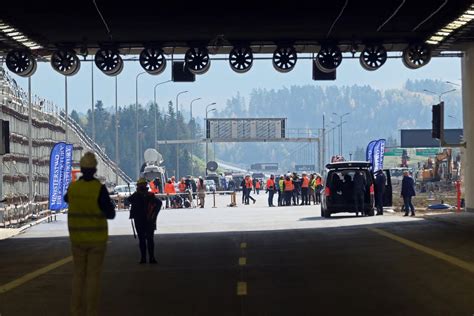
120	200
12	216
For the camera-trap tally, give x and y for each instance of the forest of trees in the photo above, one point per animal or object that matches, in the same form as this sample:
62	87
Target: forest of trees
373	114
167	123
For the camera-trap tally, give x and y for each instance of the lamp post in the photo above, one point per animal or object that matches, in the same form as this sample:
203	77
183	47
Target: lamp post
177	135
439	94
340	131
156	109
192	132
205	128
136	122
116	133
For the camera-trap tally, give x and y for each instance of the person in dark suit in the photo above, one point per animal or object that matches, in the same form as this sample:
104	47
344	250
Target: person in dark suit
358	191
380	180
408	191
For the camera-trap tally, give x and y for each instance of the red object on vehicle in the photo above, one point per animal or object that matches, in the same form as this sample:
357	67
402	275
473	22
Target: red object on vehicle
327	192
371	189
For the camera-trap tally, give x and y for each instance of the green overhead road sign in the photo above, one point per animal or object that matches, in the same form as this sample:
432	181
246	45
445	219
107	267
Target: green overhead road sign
427	151
393	152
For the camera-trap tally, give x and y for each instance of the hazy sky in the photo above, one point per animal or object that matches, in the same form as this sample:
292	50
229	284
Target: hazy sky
220	82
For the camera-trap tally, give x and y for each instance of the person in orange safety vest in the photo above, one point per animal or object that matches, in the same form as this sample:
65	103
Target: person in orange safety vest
248	186
169	190
182	186
305	190
288	188
153	188
271	190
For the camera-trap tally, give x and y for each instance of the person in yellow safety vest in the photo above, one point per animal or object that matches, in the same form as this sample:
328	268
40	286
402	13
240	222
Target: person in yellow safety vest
281	189
312	187
89	208
271	190
288	185
304	190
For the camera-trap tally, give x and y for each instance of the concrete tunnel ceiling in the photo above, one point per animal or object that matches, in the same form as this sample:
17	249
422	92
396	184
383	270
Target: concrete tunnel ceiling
58	33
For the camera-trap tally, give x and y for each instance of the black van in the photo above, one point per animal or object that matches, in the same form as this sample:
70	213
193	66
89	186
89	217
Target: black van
337	195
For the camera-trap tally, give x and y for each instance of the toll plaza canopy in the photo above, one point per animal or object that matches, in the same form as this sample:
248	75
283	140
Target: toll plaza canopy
92	24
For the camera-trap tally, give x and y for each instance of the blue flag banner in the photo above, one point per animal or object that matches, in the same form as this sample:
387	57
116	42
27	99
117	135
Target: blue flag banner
59	174
67	170
378	153
369	152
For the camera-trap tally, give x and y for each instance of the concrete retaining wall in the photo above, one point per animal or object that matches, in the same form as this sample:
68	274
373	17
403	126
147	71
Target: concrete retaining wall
49	126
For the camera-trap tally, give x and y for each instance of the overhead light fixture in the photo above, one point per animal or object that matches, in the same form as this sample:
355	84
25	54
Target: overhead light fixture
16	35
448	29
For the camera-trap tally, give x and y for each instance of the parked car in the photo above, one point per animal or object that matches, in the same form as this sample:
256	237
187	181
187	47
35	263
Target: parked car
210	185
337	195
123	191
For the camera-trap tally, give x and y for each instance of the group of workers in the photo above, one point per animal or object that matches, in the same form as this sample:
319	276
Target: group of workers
290	188
188	189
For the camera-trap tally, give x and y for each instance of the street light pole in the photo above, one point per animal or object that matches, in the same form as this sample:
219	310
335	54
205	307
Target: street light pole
136	122
439	94
177	135
156	110
192	133
340	131
30	145
205	128
116	134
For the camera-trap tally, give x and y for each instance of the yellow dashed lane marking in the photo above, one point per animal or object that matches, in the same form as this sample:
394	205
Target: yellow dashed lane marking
243	245
438	254
242	261
241	288
30	276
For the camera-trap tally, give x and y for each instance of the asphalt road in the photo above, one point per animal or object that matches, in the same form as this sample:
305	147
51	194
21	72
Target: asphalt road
254	260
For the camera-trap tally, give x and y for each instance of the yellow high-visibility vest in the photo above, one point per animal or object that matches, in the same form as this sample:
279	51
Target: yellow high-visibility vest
86	223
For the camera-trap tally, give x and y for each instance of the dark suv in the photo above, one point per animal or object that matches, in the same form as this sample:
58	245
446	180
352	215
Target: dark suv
337	196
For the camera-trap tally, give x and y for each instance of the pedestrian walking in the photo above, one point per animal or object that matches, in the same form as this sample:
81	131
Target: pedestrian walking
144	212
359	184
258	186
271	190
248	184
201	187
89	208
407	192
379	190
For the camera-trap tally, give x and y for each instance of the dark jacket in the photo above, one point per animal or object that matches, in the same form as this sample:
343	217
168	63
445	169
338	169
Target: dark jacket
380	180
408	187
359	184
140	210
